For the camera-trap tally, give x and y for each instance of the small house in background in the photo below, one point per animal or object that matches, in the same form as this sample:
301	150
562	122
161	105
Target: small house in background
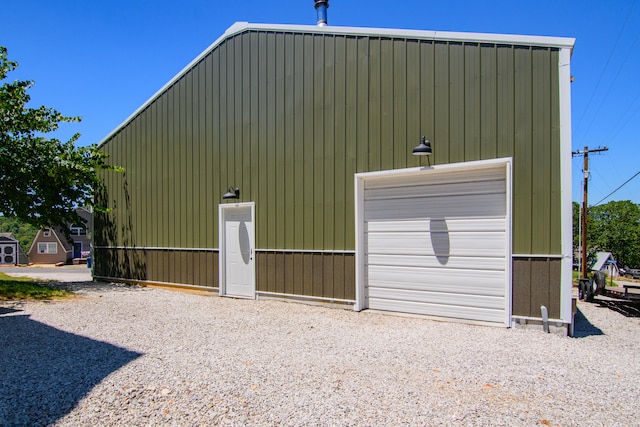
50	246
10	251
604	262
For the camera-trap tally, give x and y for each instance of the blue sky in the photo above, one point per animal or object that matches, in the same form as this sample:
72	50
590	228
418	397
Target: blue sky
102	59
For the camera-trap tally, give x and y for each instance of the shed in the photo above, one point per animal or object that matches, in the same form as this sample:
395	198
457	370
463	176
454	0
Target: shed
308	134
10	251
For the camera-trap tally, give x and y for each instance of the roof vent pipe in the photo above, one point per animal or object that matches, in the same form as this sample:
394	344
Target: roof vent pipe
322	6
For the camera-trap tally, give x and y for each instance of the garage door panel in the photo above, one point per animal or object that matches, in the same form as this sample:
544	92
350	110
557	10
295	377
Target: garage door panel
440	310
452	224
425	243
455	288
430	261
462	300
436	177
433	279
439	190
483	205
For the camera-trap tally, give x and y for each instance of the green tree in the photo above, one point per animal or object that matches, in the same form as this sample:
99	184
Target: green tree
615	227
42	180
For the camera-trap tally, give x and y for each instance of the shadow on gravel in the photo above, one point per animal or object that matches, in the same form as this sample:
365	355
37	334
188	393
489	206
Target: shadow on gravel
583	327
7	310
44	372
625	307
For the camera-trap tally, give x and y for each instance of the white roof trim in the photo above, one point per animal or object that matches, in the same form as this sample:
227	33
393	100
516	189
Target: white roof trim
558	42
239	27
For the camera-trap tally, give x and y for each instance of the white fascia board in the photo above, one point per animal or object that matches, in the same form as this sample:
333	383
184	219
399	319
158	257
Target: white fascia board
239	27
566	208
546	41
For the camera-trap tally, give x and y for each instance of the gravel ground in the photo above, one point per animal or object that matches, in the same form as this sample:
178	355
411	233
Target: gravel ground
67	273
123	355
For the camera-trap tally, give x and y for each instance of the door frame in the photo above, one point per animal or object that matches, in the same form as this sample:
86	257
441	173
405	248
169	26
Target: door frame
14	246
79	251
223	210
426	171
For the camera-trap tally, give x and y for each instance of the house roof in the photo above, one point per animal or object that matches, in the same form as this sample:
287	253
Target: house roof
601	260
8	236
57	232
240	27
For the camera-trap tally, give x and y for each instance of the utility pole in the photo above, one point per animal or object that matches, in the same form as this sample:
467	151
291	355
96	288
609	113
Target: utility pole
583	224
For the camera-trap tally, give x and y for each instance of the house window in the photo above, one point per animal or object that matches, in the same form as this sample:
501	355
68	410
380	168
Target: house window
46	232
78	231
47	248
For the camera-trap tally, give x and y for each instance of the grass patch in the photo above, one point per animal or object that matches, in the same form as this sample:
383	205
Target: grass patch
25	288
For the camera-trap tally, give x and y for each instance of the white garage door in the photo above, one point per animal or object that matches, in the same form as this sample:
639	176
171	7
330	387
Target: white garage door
436	243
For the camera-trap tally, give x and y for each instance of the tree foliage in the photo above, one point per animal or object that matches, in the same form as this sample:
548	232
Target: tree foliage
42	180
613	227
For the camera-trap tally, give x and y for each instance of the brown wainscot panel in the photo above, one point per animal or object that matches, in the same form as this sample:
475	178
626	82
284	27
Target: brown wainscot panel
170	266
315	274
536	282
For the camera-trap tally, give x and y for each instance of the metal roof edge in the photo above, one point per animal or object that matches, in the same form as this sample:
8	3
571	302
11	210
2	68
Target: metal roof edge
239	27
527	40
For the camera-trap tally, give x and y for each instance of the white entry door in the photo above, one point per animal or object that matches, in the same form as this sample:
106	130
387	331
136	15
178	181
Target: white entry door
237	243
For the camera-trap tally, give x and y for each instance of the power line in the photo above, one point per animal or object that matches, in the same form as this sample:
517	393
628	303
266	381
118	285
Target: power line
613	82
615	44
616	130
625	183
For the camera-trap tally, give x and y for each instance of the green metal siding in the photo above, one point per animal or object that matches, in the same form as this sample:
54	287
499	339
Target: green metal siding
290	117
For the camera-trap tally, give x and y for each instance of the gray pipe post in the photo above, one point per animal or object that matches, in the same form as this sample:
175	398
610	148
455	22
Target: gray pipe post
322	6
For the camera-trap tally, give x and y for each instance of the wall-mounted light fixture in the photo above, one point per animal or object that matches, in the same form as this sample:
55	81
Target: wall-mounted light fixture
231	193
423	149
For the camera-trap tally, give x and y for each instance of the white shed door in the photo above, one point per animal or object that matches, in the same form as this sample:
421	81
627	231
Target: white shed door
7	254
436	244
238	243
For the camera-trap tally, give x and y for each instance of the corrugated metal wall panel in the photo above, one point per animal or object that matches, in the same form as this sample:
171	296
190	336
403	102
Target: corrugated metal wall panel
289	118
488	103
523	165
472	102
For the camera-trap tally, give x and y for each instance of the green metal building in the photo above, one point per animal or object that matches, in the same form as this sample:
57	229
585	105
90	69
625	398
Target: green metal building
312	130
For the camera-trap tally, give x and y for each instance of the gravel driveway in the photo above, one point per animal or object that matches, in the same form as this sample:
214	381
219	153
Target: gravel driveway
120	355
